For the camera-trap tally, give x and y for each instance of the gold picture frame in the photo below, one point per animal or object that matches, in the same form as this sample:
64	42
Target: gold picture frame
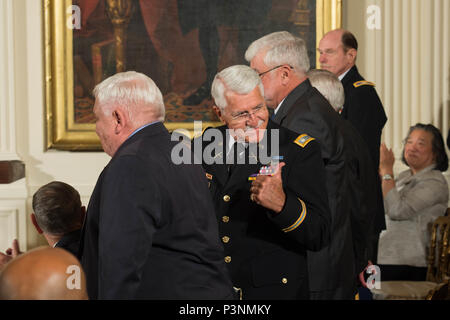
63	132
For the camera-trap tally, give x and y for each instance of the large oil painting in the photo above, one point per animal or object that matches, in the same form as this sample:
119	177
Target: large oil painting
180	44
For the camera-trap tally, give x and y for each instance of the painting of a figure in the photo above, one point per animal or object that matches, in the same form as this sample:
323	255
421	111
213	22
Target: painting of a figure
180	44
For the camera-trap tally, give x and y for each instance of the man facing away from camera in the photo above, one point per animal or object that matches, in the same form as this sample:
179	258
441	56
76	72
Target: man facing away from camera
150	230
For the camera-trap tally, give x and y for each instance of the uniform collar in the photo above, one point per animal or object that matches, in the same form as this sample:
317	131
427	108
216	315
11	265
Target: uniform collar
290	99
342	76
144	126
279	105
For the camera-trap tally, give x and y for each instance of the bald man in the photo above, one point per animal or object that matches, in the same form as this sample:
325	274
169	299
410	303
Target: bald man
43	274
338	50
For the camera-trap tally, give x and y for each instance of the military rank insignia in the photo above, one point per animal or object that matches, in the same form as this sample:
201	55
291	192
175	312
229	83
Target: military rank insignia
358	84
303	140
209	177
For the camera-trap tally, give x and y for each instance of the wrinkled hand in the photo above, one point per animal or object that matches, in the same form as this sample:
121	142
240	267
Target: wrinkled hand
267	191
387	160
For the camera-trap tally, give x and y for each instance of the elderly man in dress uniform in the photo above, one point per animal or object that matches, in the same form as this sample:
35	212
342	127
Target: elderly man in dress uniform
270	198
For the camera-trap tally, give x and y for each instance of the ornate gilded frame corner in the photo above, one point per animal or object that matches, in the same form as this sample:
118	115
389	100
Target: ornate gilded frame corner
62	131
329	17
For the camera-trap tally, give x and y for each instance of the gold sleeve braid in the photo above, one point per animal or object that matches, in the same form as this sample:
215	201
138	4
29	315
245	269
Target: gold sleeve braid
299	220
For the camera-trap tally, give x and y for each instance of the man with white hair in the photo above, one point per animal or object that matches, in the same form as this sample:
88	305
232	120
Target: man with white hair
150	231
282	62
364	176
329	86
270	211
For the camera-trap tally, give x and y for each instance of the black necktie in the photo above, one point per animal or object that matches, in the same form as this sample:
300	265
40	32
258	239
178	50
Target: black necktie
272	114
235	157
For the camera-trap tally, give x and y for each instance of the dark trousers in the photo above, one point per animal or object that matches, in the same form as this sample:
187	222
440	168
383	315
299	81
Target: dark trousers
373	248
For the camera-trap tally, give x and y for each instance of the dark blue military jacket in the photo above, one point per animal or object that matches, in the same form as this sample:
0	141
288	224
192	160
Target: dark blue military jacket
266	252
332	270
364	110
150	230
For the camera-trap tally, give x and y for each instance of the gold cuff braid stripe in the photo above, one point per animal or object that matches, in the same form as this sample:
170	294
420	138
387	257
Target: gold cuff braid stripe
299	220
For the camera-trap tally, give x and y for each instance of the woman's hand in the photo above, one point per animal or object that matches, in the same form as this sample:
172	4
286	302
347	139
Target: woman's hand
387	160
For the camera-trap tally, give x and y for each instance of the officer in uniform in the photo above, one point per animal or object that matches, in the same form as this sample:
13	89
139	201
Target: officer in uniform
338	50
282	62
268	215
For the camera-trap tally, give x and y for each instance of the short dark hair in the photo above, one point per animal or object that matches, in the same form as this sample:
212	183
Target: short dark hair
349	41
57	207
437	144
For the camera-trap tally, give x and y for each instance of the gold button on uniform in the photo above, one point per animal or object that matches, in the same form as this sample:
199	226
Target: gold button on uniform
226	198
227	259
284	280
225	239
225	219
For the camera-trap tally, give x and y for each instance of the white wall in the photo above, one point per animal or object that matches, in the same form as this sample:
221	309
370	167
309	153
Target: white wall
21	24
408	59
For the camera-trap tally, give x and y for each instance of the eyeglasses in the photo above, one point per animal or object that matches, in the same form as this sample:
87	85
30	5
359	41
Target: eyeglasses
281	65
242	116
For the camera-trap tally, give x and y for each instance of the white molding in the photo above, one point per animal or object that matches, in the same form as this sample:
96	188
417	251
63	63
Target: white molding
13	223
8	227
7	83
13	214
14	191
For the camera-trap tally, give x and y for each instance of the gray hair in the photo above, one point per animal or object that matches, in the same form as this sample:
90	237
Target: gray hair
329	86
134	92
281	48
57	207
239	79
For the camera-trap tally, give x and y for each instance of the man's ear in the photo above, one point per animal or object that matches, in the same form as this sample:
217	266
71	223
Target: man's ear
34	221
120	120
218	113
351	54
286	73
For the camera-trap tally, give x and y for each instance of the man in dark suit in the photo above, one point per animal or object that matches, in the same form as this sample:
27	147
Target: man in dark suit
282	63
363	186
150	230
266	222
58	215
338	52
